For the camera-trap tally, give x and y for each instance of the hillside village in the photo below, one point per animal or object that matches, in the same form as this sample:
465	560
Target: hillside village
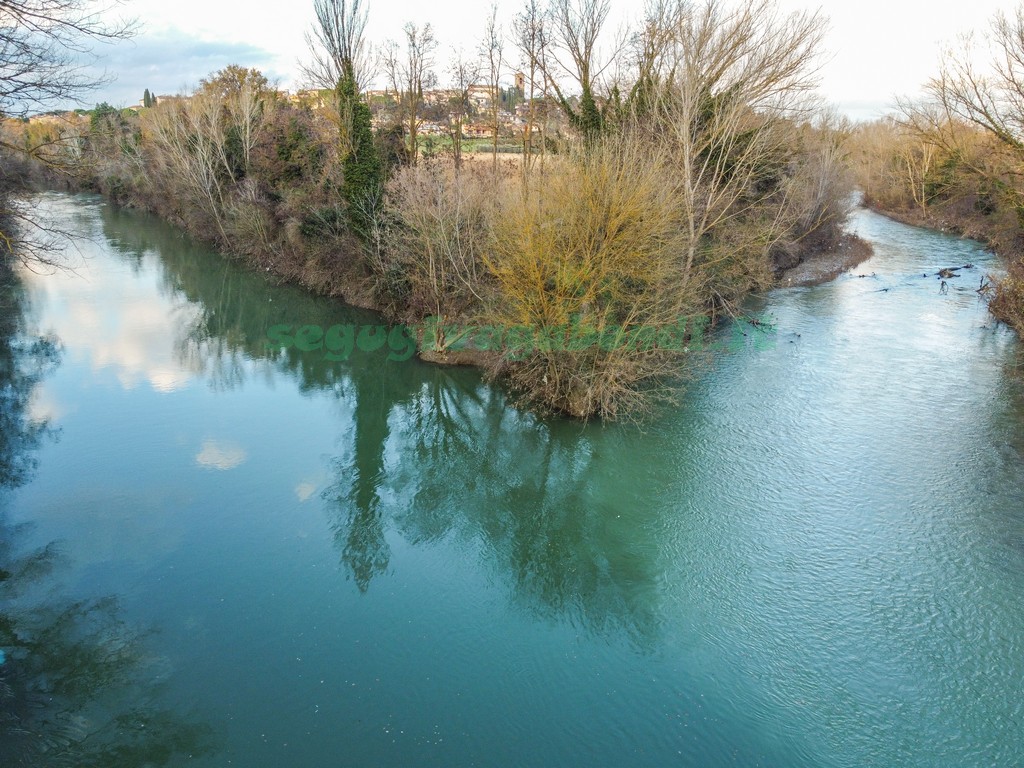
442	110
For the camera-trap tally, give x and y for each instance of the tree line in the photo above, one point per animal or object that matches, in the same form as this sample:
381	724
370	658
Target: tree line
666	172
954	158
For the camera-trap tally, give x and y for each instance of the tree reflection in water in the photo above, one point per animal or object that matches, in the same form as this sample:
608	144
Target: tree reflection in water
456	461
76	685
431	452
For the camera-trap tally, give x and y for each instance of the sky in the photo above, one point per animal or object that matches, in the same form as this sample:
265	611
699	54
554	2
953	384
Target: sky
875	50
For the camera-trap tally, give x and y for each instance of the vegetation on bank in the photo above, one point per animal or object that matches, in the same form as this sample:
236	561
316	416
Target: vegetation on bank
45	57
669	190
954	160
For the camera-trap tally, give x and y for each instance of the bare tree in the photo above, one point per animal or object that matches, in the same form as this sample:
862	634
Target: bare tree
577	26
988	99
819	183
916	159
46	58
188	140
992	100
464	74
531	40
337	43
647	64
243	93
410	72
492	52
46	49
203	144
731	77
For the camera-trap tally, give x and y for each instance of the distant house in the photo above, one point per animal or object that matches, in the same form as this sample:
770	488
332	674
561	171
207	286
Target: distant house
482	96
314	98
169	98
434	98
476	131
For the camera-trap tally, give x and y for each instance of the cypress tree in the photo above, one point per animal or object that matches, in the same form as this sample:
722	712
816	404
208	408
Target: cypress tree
362	168
147	99
589	120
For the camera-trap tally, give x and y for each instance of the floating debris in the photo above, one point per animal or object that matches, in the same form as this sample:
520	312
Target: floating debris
948	272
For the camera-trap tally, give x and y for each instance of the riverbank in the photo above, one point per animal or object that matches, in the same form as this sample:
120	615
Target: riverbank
343	277
948	222
828	265
999	233
604	235
447	250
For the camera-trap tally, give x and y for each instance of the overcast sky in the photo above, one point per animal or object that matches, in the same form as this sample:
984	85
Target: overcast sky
875	49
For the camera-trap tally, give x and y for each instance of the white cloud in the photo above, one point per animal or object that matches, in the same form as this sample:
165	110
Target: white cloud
221	455
171	62
115	323
304	490
43	407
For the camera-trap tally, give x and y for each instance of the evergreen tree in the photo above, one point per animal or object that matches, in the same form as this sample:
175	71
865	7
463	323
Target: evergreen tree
588	120
147	99
363	170
103	117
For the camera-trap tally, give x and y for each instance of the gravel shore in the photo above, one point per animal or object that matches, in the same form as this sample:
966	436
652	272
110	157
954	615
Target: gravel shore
823	267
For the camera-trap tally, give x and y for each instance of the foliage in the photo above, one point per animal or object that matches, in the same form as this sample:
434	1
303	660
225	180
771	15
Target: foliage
670	189
594	245
362	169
435	247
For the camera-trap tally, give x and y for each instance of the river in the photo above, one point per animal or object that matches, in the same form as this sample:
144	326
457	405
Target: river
237	555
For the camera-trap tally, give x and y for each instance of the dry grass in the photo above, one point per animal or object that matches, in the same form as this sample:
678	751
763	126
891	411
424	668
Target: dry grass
1008	302
594	242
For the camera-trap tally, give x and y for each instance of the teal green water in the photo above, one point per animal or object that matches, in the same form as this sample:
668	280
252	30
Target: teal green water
815	559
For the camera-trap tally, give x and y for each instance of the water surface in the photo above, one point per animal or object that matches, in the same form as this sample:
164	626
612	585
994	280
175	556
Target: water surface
816	559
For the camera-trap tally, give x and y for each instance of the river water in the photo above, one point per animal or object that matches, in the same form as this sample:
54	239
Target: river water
248	556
